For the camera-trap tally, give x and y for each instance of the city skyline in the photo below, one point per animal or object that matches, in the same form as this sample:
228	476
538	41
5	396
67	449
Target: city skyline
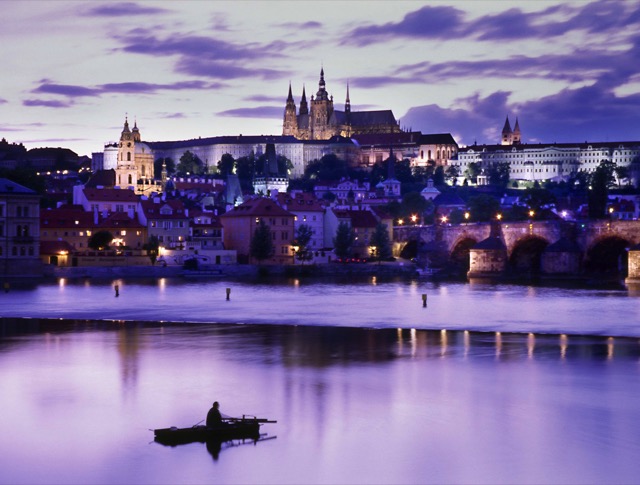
201	69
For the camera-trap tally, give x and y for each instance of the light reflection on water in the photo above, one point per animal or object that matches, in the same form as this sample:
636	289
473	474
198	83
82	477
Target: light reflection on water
354	405
383	304
527	400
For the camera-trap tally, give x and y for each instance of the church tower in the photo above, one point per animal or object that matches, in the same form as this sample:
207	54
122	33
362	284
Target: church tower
507	134
517	137
126	173
290	125
321	111
304	108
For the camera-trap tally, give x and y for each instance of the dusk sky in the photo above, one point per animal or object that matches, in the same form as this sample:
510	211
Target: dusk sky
72	70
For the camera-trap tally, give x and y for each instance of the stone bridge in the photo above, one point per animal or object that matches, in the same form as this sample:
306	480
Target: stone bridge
597	245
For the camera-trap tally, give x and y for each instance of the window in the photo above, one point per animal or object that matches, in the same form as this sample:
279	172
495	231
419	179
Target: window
123	232
14	251
88	233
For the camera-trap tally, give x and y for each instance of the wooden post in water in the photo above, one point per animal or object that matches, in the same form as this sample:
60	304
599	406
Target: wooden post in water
117	288
228	293
424	300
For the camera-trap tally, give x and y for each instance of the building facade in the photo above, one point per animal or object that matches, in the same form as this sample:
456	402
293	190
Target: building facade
19	230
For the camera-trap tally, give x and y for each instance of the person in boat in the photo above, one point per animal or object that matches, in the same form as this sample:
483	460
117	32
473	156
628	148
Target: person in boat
214	418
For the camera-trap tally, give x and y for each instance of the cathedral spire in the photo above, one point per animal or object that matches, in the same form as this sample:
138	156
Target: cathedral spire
290	97
347	103
304	108
322	92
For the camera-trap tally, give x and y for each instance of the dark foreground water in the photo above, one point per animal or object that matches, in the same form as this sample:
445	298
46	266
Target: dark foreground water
354	405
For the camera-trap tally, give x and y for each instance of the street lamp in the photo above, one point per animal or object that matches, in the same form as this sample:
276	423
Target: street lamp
400	222
466	216
414	218
499	217
444	219
531	213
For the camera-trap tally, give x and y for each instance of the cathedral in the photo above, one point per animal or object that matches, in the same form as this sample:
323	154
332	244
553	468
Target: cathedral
320	121
509	136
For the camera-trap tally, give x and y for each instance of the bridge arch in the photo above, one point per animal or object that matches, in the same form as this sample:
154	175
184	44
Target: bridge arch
459	255
608	255
408	249
526	255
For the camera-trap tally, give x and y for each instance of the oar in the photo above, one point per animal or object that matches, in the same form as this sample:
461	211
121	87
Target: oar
197	423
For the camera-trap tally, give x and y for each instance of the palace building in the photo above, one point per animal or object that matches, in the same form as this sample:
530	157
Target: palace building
320	121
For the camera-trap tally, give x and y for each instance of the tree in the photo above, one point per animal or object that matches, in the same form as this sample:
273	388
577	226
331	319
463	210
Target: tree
262	242
100	240
472	171
499	174
329	167
381	242
483	207
438	175
152	247
304	233
190	163
226	165
343	241
451	173
600	181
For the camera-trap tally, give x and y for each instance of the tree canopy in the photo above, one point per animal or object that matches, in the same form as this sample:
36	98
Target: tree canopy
381	242
343	240
262	242
190	163
100	240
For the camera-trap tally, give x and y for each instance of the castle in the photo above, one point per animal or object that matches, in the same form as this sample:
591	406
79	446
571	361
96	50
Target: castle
321	121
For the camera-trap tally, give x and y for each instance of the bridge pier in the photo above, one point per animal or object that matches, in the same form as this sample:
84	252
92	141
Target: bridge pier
633	277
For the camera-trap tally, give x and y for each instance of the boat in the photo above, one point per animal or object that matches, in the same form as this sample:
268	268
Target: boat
247	427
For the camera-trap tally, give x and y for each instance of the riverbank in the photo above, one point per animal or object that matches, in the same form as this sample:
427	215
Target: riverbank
233	271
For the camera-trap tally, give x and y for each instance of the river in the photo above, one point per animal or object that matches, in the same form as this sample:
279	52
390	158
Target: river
486	384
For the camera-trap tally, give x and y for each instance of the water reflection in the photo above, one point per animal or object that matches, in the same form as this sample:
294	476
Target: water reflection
450	406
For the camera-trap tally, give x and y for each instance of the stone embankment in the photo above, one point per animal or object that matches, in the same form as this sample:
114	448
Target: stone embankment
240	270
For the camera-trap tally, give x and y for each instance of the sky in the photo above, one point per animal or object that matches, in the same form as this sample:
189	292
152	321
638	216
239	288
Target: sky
73	70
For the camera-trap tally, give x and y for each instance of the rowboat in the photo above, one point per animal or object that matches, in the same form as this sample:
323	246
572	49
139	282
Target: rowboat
229	429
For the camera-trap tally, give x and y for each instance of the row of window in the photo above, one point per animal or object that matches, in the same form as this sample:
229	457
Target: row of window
23	250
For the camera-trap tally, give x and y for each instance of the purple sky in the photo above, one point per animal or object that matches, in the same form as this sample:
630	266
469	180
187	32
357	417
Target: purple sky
72	70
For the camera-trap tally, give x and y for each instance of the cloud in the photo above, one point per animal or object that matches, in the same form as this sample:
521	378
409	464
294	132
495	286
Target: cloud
122	9
207	56
445	23
591	113
71	91
258	112
3	101
150	88
378	81
312	24
65	90
261	98
47	103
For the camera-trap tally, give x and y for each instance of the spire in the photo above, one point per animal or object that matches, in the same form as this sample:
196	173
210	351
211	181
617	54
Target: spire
304	109
347	104
322	93
507	127
516	128
126	125
290	97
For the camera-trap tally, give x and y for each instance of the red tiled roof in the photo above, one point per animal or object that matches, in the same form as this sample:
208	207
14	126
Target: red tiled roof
301	201
258	207
111	195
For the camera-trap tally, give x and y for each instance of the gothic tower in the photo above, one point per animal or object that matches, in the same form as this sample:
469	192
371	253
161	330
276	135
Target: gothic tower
507	134
517	137
290	125
321	111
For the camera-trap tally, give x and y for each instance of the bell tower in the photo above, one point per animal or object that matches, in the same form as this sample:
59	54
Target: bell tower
126	173
321	111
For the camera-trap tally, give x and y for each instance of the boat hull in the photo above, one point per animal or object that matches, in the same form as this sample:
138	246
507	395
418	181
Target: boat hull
225	432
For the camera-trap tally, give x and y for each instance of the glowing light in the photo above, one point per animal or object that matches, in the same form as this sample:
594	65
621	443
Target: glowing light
499	217
414	218
400	222
444	219
531	213
467	215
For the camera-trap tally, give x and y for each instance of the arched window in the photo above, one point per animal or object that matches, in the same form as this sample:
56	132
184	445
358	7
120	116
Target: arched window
130	179
128	156
31	251
14	251
23	251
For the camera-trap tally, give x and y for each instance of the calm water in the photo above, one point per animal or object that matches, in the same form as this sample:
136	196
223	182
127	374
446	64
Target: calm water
398	403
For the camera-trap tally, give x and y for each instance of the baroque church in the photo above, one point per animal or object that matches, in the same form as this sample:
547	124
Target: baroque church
320	121
135	160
